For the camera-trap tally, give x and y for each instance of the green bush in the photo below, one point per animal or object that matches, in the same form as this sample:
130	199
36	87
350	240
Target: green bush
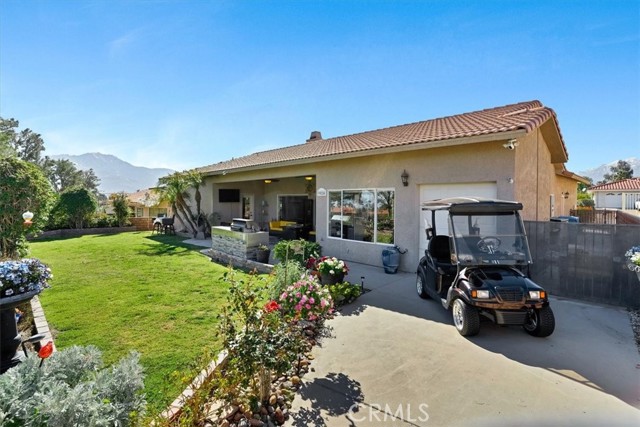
296	250
71	389
102	220
284	275
344	293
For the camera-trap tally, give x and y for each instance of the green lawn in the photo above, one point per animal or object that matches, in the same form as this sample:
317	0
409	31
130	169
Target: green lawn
135	291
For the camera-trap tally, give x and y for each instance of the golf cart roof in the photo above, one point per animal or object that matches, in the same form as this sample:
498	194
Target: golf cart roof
471	205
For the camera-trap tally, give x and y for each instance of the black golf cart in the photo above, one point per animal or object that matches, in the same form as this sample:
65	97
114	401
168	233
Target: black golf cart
477	267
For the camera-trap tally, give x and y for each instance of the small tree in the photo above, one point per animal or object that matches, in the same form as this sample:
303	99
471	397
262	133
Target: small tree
120	207
78	206
23	187
622	170
260	341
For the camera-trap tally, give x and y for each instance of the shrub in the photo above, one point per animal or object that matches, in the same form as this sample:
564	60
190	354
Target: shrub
70	388
284	275
23	187
306	299
344	293
296	250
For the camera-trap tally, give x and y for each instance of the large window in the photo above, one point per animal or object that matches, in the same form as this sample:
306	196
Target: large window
362	215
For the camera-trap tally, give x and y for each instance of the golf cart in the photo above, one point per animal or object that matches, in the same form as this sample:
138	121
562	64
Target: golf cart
477	267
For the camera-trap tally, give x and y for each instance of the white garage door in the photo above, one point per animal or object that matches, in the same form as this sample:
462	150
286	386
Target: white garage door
613	200
486	190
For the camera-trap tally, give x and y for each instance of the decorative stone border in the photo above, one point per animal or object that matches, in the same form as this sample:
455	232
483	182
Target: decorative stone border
175	409
42	326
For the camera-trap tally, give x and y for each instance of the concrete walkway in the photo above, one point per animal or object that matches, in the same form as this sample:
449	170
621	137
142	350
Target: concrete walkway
397	360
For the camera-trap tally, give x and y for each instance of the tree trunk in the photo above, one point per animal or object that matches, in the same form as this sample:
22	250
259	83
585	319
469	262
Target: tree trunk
265	383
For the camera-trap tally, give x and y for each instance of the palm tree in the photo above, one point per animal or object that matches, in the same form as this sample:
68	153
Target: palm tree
195	180
174	189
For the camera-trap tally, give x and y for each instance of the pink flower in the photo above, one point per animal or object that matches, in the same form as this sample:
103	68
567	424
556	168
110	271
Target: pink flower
308	306
323	303
312	300
298	307
284	295
298	294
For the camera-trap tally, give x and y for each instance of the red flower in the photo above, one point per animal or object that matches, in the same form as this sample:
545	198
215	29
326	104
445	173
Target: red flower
46	350
271	306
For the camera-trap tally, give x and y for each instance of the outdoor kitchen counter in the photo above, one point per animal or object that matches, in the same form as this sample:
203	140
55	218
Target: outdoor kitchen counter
237	243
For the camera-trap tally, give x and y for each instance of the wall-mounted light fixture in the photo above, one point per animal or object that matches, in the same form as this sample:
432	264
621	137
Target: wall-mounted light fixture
405	178
511	144
565	194
27	217
510	180
308	178
267	181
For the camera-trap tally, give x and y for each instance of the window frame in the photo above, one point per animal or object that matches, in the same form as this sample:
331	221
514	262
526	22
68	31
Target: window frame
375	191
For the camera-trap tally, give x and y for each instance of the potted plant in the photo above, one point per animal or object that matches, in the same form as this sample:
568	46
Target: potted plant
262	254
331	269
633	259
20	280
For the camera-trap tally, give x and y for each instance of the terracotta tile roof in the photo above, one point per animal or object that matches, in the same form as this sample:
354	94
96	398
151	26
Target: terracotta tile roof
525	116
626	184
148	197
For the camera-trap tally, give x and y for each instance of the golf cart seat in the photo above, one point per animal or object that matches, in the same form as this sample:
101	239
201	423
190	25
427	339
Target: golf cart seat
440	252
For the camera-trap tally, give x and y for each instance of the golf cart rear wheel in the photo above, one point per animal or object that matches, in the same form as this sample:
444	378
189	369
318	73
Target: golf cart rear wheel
420	286
541	322
465	318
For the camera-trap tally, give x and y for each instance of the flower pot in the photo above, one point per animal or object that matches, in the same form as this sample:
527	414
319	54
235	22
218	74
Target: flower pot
9	337
331	279
263	256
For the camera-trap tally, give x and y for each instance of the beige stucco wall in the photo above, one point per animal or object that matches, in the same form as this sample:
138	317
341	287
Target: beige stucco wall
528	166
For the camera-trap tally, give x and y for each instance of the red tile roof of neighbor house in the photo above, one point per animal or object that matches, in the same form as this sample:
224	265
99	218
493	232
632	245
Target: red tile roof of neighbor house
525	116
625	184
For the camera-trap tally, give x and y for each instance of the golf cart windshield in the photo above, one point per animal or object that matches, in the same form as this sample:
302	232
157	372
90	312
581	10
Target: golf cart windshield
489	238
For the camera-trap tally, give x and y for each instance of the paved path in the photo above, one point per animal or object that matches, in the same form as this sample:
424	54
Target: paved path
397	360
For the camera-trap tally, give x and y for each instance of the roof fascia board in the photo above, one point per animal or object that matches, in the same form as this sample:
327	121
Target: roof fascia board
426	145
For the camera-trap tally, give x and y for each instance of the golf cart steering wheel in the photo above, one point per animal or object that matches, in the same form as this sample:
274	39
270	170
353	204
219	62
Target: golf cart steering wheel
489	244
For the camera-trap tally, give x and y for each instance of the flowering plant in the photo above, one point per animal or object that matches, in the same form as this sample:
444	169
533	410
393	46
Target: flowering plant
633	255
331	265
26	275
306	299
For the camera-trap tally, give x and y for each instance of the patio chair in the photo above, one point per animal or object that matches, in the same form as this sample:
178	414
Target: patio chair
167	225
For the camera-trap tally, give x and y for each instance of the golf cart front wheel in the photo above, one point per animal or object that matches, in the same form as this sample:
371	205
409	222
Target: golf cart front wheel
465	318
541	322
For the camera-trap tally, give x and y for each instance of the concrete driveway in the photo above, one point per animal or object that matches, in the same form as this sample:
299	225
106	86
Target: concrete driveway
397	360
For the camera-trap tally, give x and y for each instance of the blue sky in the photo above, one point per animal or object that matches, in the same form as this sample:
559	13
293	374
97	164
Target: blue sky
182	84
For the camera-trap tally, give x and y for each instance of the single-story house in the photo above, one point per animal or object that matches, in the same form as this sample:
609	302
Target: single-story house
624	194
361	193
147	204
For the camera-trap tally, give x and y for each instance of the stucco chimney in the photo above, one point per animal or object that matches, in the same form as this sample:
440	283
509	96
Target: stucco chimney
315	135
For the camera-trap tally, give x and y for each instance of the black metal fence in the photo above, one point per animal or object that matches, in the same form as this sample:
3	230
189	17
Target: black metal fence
585	261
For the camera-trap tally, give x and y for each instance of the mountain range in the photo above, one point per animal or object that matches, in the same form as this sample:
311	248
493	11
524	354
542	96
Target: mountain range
597	173
115	174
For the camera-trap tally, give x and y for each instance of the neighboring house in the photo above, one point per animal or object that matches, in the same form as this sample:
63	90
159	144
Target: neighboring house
362	192
624	194
147	204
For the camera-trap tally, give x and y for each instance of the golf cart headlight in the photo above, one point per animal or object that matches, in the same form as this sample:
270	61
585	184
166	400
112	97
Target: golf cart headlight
537	294
480	294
